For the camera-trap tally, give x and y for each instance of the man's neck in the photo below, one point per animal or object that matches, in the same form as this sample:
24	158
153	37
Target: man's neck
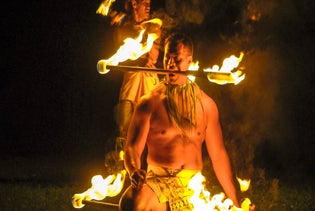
181	80
138	19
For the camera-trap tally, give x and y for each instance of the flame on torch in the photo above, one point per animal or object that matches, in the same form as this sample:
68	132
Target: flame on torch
104	7
194	66
131	49
224	74
202	201
244	184
110	186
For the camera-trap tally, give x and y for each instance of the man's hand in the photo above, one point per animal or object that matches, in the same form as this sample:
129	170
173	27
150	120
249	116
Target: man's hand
138	178
150	64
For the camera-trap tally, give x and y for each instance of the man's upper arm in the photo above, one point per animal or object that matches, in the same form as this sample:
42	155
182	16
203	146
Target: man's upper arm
155	50
214	139
136	137
140	124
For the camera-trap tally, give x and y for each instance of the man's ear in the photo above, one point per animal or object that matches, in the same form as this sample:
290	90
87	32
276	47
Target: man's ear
190	59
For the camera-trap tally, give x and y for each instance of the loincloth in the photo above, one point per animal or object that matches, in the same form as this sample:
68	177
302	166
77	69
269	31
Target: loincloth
171	185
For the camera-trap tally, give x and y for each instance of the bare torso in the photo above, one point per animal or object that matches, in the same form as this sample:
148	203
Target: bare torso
167	144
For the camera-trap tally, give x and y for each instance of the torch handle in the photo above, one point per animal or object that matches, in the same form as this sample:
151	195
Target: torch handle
103	67
100	203
149	70
161	71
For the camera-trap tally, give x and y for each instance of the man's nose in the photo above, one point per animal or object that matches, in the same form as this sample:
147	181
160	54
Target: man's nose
147	5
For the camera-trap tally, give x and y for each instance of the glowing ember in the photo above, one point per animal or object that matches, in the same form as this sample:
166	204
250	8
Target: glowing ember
131	49
224	74
202	201
110	186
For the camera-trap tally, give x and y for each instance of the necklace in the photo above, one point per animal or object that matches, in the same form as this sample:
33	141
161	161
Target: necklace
181	103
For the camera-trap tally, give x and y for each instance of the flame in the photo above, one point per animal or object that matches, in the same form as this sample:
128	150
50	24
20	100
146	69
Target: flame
244	184
104	7
202	201
131	49
157	21
121	155
194	66
224	74
110	186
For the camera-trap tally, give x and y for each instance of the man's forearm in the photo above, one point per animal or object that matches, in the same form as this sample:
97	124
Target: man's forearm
131	161
224	174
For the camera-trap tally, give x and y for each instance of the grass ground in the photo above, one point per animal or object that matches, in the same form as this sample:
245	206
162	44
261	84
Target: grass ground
39	184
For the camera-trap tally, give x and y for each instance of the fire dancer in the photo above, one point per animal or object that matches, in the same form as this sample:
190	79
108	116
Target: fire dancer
135	84
174	121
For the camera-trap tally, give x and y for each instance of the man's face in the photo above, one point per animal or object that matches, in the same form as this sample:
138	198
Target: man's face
142	9
176	58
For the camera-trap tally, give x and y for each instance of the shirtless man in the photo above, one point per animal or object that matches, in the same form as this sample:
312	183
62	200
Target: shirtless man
174	120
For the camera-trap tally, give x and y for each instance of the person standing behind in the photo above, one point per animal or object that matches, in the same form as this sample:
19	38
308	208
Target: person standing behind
135	84
174	120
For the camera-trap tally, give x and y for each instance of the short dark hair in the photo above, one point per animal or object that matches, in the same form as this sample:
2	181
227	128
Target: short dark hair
174	38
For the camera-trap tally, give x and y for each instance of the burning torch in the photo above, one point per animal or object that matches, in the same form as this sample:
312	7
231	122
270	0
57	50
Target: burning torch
224	75
101	188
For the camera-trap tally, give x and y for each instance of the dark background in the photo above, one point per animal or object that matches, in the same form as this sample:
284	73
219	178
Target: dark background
55	105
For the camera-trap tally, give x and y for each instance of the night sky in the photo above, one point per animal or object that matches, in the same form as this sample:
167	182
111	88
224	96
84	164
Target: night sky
53	101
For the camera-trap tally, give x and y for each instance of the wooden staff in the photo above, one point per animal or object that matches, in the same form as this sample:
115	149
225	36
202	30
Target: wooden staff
103	68
99	203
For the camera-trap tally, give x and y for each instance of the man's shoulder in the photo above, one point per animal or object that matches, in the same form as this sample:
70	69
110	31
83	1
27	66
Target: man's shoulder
200	92
148	103
205	98
155	95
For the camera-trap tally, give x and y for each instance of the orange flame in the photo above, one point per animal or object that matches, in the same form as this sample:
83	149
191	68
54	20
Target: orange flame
194	66
131	49
202	201
244	184
110	186
224	74
104	7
